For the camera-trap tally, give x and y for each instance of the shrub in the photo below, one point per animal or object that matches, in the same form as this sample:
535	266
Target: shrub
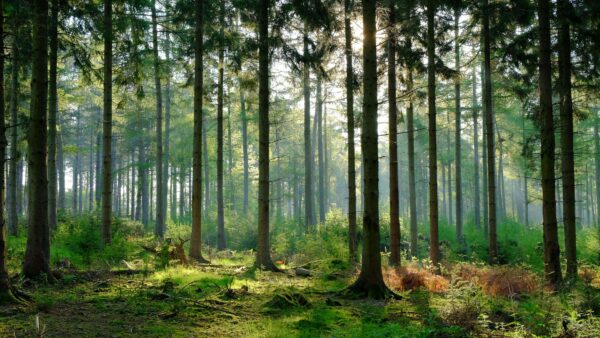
508	281
413	278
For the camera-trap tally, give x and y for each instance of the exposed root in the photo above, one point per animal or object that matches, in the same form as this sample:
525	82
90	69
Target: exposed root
365	289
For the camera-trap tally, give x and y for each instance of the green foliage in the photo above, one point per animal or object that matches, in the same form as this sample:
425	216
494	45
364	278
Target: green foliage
78	240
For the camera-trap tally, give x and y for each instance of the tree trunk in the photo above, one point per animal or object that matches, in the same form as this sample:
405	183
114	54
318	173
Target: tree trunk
551	247
597	170
133	185
245	147
321	157
230	157
182	176
393	140
370	280
476	196
159	228
352	241
457	130
206	169
37	254
434	248
52	113
75	187
167	192
98	169
107	126
60	166
143	179
263	248
410	126
91	174
566	122
489	135
196	238
221	244
13	215
5	287
309	213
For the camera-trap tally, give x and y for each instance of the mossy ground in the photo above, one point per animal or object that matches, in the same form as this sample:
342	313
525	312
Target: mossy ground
229	300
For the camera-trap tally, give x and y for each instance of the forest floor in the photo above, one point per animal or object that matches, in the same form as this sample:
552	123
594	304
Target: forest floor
230	299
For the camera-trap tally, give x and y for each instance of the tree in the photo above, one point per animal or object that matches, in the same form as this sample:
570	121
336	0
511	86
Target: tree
566	137
457	129
37	253
159	229
107	126
393	139
489	136
52	113
196	240
552	270
434	247
476	190
263	249
221	244
5	286
310	218
350	125
370	280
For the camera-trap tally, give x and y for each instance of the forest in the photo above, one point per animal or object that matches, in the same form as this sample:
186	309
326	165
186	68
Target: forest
300	168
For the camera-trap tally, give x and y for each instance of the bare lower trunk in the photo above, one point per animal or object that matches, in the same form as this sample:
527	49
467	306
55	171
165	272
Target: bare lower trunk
352	242
159	228
221	244
107	127
457	130
370	280
52	115
434	248
410	126
566	122
196	238
551	247
309	213
489	134
13	215
37	254
393	140
476	192
263	249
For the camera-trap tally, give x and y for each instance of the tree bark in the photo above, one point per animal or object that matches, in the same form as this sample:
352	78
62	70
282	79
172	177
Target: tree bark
5	286
221	244
76	175
263	248
52	113
159	228
489	135
410	125
566	122
457	131
319	119
245	148
393	140
476	192
206	169
196	238
352	241
310	218
37	254
551	247
13	214
370	280
107	127
434	248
